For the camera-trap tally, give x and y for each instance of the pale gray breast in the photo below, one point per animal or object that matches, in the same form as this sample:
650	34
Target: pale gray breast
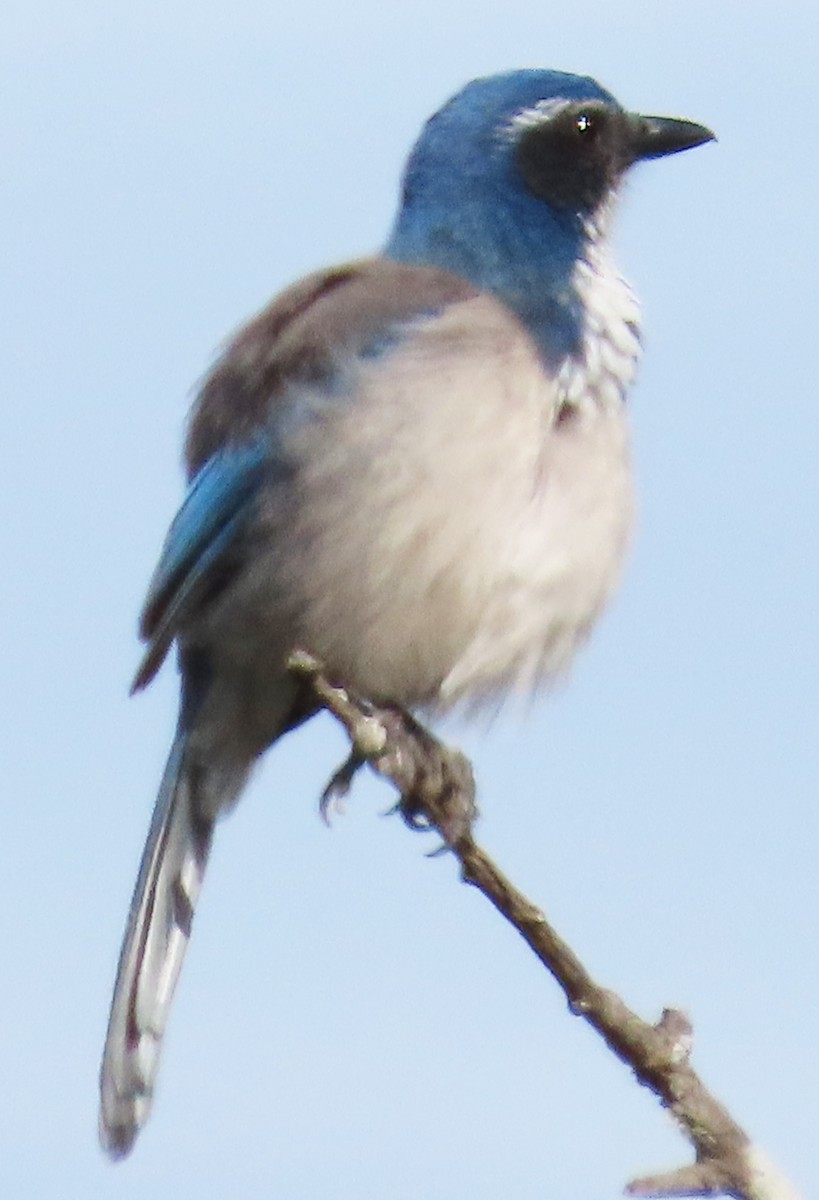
453	538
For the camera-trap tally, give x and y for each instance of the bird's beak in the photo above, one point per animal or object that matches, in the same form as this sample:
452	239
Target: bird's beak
654	137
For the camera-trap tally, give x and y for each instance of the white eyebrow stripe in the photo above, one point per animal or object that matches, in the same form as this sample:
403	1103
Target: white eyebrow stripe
529	118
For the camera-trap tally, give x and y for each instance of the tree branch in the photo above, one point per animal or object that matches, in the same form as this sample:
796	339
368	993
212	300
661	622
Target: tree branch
437	791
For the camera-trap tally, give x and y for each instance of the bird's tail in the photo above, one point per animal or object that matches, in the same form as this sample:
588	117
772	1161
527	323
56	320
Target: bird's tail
159	923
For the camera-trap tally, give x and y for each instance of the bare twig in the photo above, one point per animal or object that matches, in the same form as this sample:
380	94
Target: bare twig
437	791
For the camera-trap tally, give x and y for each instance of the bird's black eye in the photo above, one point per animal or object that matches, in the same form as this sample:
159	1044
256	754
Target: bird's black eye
573	156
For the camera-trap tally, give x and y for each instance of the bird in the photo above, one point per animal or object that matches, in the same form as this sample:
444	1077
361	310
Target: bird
414	465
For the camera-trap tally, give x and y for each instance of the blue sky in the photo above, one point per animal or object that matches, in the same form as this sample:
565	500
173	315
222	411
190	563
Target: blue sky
352	1022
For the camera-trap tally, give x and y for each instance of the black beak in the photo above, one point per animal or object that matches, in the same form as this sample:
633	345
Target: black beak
654	137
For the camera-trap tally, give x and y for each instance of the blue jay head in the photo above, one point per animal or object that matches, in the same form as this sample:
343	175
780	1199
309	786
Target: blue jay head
562	138
507	180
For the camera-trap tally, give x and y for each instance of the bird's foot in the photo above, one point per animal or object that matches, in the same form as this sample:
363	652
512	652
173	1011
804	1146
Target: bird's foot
436	785
369	738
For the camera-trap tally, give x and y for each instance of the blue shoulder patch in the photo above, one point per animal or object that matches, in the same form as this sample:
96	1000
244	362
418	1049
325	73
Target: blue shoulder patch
216	507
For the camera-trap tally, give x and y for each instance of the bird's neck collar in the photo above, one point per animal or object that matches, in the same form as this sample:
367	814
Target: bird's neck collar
554	270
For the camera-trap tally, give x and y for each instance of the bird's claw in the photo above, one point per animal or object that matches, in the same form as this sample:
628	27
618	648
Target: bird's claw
369	740
332	802
411	814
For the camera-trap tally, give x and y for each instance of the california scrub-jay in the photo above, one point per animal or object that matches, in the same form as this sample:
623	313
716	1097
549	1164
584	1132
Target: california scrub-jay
415	466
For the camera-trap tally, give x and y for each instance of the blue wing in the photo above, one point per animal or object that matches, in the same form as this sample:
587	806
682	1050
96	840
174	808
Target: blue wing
218	504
